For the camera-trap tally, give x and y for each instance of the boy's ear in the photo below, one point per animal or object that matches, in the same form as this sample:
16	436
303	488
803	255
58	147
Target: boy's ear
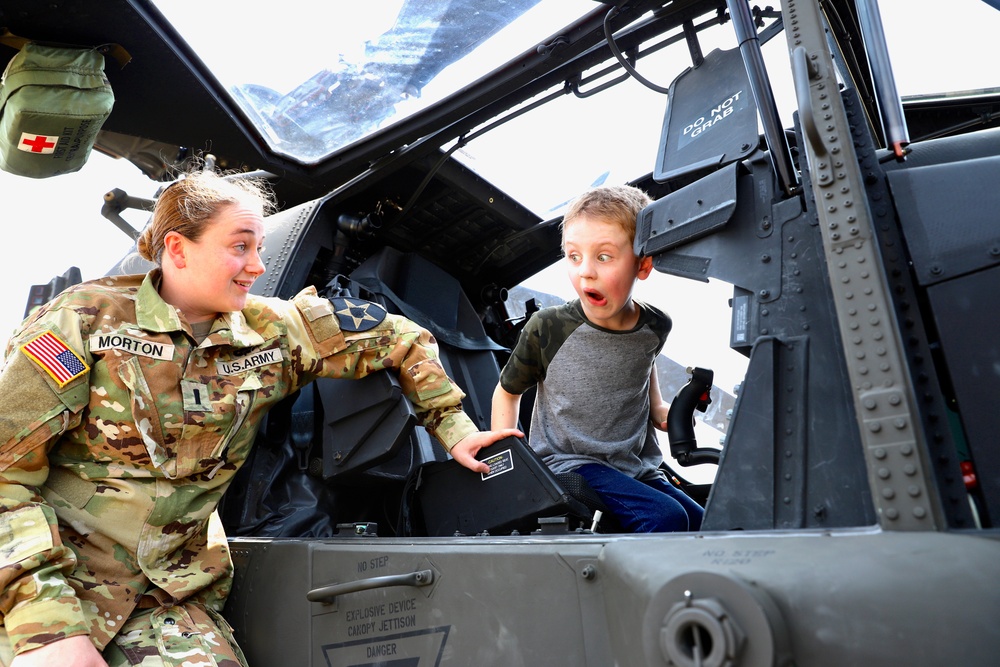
645	268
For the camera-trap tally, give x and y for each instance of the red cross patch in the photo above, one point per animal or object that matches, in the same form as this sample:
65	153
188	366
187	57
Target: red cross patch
37	143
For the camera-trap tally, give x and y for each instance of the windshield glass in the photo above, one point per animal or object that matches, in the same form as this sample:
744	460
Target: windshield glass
938	49
545	157
331	73
588	136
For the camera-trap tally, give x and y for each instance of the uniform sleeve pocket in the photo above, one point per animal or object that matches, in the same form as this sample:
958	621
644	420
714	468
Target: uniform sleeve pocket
429	379
23	533
12	452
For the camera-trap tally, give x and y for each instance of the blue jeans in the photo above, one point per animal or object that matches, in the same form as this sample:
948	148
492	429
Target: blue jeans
643	506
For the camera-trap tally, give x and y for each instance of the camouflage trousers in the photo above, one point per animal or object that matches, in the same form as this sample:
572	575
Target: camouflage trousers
180	636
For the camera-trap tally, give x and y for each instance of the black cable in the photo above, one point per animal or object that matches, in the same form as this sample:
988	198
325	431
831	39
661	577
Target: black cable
621	58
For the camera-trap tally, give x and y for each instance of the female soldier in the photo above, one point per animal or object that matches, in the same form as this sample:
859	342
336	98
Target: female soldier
128	403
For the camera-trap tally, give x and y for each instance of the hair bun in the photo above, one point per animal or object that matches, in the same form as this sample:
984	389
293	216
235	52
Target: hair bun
142	245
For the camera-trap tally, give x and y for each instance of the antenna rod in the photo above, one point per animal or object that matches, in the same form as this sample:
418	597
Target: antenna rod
896	134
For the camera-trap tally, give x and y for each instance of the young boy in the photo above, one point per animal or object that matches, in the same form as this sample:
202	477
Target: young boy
593	362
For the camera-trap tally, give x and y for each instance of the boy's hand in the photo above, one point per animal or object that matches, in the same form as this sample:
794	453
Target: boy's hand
658	413
467	448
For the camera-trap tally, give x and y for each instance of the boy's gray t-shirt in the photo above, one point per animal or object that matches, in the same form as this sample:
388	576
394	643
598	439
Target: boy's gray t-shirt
592	404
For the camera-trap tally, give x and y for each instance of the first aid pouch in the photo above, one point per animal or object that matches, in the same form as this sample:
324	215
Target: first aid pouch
53	101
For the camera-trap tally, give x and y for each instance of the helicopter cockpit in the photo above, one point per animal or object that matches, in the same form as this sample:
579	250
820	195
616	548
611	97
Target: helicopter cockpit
823	236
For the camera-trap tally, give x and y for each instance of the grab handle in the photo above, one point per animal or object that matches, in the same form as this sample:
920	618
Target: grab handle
327	594
802	72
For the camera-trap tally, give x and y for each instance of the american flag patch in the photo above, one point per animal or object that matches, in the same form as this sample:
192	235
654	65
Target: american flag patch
49	352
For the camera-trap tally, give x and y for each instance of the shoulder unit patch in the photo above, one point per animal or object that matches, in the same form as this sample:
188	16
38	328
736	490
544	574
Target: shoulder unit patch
54	356
357	315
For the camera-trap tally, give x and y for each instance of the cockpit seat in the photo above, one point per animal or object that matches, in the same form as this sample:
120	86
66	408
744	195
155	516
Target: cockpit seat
347	450
576	485
408	284
357	440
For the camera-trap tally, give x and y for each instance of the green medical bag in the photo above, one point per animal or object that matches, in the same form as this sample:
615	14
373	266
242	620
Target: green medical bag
53	101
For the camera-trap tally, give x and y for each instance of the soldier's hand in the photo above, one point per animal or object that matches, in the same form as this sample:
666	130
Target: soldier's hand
467	448
76	651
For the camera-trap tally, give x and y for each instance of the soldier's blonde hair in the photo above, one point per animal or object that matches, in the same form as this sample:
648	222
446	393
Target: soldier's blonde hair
618	204
188	204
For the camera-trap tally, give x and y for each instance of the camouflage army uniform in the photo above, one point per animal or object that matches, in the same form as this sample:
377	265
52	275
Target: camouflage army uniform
118	436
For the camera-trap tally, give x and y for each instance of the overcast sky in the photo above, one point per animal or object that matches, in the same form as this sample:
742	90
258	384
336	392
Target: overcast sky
49	225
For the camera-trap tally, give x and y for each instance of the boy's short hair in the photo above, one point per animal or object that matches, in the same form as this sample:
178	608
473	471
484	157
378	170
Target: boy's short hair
619	204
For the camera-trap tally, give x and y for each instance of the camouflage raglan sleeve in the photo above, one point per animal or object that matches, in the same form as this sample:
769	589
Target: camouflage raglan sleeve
658	321
43	389
350	338
523	369
540	340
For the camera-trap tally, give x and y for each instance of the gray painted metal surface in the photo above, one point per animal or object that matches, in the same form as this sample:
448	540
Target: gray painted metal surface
823	598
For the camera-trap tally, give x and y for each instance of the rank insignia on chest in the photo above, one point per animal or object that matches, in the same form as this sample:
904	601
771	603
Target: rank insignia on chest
54	356
357	315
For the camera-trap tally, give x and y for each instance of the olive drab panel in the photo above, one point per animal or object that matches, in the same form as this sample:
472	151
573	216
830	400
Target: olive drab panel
53	101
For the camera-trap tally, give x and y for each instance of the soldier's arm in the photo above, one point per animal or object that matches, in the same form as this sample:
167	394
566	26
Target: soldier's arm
37	605
330	343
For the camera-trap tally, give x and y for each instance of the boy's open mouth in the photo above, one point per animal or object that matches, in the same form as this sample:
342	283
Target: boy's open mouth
595	297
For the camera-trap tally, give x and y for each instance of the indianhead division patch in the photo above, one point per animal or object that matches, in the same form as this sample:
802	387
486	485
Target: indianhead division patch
356	315
54	356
